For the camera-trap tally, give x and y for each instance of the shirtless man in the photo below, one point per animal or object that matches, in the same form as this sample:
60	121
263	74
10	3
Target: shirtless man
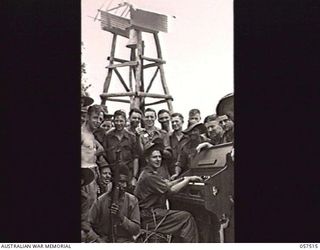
90	149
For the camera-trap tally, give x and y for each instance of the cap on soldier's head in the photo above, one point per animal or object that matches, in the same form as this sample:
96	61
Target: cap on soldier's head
86	101
198	125
102	163
155	144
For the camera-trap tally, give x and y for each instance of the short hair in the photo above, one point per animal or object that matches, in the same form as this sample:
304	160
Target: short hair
120	113
194	112
177	114
135	110
161	111
210	118
94	109
151	110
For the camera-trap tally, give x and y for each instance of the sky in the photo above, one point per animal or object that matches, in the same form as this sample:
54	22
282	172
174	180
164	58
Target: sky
198	50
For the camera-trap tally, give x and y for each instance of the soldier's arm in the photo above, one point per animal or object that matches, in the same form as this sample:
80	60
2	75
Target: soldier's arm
132	222
135	167
92	236
99	148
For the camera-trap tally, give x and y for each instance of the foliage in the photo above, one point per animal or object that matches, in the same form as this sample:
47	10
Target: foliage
84	84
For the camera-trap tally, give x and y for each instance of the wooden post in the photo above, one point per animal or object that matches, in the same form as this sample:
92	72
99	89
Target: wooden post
152	79
137	100
121	80
162	76
107	81
141	54
132	71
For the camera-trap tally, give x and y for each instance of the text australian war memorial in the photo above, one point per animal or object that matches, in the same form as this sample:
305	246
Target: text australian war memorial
140	182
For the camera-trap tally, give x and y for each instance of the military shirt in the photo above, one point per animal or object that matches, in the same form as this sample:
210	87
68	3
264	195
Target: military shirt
151	190
100	219
128	146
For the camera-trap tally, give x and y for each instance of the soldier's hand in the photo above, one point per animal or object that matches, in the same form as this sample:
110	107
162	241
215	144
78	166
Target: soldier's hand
173	177
195	179
114	209
202	146
140	130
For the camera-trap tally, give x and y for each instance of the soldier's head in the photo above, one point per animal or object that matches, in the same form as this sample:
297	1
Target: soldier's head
195	130
177	121
209	118
135	116
104	180
214	130
94	116
123	178
149	117
153	155
222	121
164	118
119	120
229	125
194	116
105	172
106	125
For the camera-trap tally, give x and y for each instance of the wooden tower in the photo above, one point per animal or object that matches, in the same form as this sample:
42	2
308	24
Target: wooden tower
136	92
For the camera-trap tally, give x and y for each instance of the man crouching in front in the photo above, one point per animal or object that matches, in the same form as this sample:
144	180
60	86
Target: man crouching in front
152	190
126	213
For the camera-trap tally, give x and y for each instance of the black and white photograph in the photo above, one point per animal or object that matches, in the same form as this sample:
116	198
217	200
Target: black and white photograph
157	121
191	122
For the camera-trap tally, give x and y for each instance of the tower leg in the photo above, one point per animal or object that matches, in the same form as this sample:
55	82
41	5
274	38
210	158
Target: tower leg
137	100
107	81
162	76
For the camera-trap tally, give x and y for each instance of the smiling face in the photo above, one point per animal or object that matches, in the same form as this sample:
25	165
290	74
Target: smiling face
194	119
164	119
135	119
176	123
106	125
149	119
119	122
106	174
154	159
93	121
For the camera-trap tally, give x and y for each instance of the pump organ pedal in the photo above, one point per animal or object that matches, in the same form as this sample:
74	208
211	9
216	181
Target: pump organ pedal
211	202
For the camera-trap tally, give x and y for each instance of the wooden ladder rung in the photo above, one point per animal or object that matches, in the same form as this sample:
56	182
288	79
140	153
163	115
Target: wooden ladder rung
125	64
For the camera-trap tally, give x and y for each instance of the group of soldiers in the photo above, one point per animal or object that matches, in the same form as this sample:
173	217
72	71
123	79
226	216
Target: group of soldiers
129	168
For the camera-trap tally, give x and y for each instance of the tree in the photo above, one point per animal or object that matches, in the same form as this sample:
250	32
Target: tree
84	84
